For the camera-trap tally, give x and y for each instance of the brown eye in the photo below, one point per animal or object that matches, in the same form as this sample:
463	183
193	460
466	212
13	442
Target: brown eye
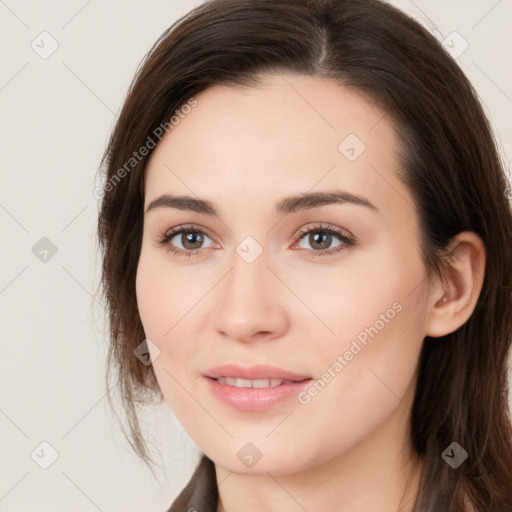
191	240
184	240
321	239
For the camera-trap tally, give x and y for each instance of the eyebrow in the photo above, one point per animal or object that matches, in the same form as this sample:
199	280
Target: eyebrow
292	204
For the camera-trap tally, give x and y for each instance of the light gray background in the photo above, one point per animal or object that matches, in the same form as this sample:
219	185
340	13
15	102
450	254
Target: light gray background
56	115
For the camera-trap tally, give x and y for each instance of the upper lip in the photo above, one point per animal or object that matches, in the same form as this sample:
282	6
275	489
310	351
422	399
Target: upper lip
253	372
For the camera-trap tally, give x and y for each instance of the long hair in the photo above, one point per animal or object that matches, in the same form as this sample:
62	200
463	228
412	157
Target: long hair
449	161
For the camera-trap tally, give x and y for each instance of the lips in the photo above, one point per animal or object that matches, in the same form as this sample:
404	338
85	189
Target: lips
258	372
258	383
258	388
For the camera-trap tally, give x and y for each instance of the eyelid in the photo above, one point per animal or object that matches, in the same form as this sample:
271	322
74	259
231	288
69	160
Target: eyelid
167	235
341	232
188	227
347	239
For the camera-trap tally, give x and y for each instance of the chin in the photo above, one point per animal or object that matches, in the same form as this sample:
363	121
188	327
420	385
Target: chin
273	462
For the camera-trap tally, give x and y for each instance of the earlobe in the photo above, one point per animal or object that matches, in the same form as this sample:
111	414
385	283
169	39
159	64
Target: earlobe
452	302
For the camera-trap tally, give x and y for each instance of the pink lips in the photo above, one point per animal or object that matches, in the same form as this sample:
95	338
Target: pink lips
254	399
253	373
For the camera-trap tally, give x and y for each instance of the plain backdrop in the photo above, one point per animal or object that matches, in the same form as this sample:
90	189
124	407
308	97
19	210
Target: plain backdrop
56	113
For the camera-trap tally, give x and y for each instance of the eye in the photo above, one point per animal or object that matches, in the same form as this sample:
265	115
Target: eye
321	237
190	238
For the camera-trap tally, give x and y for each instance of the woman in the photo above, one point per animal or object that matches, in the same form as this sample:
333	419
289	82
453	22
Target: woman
305	233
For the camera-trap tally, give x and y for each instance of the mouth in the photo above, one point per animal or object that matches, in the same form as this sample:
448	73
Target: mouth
254	376
256	383
254	389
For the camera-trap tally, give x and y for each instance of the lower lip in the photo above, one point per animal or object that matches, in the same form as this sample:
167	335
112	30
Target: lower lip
255	399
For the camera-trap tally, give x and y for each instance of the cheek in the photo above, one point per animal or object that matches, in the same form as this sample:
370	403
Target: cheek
156	302
369	374
168	302
149	295
365	379
164	294
365	297
377	330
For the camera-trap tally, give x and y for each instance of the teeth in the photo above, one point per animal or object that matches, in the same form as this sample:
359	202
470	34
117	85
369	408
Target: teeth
246	383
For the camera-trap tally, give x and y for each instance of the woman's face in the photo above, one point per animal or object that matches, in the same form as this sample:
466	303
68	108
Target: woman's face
330	288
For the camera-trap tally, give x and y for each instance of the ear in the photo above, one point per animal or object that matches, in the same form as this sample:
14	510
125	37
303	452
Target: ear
453	300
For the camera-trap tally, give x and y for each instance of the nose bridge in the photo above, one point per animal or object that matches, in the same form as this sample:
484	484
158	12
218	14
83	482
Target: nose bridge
249	303
246	281
248	267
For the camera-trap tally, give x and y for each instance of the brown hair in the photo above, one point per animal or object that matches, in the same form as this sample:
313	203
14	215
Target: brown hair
450	163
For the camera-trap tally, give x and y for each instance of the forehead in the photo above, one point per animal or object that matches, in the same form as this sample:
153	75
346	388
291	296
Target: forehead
288	134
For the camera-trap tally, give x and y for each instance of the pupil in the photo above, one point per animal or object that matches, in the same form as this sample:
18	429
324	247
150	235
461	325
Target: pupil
319	237
193	238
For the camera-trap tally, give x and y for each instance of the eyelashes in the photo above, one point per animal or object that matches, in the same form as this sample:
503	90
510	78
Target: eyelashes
165	239
347	240
189	234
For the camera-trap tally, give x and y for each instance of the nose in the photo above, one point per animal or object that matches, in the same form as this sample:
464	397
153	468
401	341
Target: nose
251	302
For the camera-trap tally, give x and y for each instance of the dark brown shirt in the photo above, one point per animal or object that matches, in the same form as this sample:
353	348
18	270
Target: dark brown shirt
201	493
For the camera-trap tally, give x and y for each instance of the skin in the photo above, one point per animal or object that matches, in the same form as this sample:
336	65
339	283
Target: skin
246	149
